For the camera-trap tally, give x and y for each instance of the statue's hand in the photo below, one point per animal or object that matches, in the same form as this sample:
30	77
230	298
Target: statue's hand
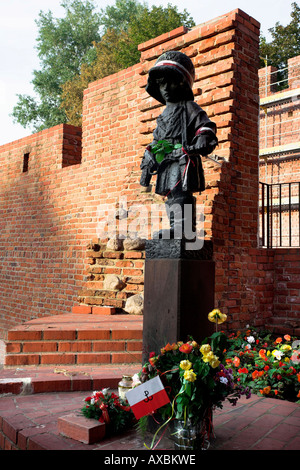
203	144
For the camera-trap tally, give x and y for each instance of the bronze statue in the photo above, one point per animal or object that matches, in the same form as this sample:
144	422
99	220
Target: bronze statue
183	133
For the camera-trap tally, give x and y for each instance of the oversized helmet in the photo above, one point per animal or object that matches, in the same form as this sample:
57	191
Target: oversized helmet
172	63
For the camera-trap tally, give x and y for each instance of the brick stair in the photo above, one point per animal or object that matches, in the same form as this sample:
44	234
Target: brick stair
76	339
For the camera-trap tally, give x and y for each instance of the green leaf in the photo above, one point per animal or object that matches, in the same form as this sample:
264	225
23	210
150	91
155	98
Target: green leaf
159	157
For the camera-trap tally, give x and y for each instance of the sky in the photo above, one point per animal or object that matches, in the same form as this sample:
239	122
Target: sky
18	33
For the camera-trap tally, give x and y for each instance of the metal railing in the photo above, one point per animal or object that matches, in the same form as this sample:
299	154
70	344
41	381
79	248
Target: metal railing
279	221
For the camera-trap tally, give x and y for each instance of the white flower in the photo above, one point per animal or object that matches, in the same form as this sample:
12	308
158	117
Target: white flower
277	354
251	339
136	380
105	391
92	401
223	380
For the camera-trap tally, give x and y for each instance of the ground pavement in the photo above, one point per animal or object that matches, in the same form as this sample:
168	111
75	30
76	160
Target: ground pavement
29	412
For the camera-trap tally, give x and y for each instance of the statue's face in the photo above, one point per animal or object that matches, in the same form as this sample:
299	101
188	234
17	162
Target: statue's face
170	89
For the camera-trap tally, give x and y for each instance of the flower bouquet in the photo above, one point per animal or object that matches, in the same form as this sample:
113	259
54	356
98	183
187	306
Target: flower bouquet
196	380
108	408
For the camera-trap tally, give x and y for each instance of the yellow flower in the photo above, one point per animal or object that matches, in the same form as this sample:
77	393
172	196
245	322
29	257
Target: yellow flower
205	349
190	375
185	365
208	357
214	362
286	347
216	316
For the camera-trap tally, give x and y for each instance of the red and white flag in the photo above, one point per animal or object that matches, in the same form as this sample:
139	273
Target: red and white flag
147	397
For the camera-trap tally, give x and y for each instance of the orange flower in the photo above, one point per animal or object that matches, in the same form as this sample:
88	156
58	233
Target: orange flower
257	374
186	348
266	390
298	377
278	340
298	396
287	337
262	353
153	360
236	361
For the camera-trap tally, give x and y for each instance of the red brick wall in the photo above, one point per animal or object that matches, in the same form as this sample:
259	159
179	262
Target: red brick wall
42	248
53	212
286	291
279	124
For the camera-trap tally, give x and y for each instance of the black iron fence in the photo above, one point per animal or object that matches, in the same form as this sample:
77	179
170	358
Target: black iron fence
279	222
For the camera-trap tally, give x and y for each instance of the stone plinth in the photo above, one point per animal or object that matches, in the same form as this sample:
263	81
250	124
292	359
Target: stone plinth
179	294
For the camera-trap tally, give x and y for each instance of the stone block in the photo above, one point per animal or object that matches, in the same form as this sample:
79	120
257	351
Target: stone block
81	429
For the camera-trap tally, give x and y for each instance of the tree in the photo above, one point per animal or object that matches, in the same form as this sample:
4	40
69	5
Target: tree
84	46
63	45
285	42
126	25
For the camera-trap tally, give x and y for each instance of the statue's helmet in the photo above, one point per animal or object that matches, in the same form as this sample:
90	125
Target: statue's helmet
173	64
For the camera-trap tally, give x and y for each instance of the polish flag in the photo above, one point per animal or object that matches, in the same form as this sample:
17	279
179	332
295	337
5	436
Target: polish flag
147	397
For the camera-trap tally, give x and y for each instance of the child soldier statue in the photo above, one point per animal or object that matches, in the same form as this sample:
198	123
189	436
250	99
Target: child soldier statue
183	133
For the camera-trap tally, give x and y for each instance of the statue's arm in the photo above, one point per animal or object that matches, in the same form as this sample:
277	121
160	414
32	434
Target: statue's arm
205	140
148	166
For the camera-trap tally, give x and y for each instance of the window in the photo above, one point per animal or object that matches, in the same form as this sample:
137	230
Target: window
25	162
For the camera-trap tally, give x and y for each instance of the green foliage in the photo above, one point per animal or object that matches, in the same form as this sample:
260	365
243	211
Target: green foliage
284	45
63	44
83	46
146	24
162	148
125	25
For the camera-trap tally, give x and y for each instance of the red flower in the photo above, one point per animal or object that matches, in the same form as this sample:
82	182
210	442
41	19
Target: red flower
152	354
244	370
186	348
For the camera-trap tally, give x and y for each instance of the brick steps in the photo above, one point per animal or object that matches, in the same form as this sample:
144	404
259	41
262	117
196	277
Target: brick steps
75	339
28	380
